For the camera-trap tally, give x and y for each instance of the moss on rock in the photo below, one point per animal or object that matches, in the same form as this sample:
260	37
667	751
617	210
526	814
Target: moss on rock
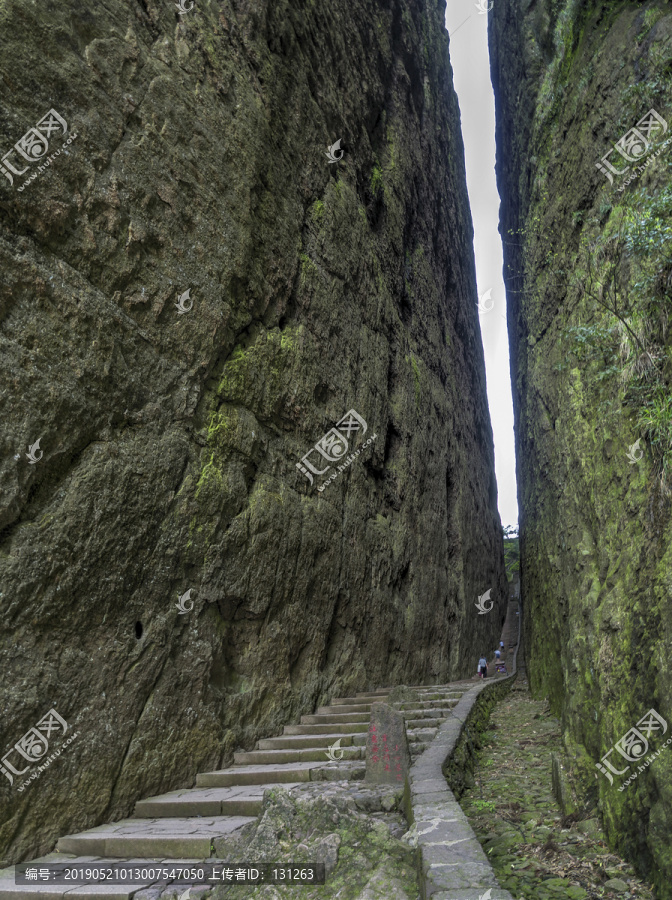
588	267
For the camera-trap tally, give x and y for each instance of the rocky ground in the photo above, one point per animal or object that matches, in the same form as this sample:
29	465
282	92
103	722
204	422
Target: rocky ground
353	829
536	852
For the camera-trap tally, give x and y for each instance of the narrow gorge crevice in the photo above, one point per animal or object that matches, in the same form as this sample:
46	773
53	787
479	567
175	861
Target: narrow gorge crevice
247	467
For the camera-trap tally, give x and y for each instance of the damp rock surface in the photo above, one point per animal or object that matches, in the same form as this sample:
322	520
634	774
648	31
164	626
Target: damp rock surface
587	268
353	829
193	295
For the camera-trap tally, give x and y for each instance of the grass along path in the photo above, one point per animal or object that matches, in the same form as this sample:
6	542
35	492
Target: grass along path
536	852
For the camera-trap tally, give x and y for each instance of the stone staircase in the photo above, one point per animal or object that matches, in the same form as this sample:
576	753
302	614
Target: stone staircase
195	824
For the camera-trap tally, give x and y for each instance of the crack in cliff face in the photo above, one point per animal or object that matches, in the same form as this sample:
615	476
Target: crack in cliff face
120	770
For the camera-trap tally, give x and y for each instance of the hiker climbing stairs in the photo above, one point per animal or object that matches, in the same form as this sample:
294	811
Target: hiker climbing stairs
190	823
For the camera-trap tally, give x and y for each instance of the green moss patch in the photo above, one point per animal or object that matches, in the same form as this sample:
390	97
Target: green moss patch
536	852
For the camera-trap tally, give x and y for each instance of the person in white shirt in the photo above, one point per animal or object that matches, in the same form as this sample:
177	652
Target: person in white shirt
483	667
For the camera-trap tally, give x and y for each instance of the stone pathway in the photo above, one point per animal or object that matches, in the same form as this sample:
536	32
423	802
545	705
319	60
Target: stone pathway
204	822
509	635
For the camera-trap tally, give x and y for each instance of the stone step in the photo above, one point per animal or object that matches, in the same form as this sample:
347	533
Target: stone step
328	728
419	747
243	800
172	838
368	697
10	891
303	741
343	709
425	704
430	713
413	710
359	699
269	757
335	718
422	702
345	770
277	774
435	707
421	734
383	692
424	723
438	696
40	891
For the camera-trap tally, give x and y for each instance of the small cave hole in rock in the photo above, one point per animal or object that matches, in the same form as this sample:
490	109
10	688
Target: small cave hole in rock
138	630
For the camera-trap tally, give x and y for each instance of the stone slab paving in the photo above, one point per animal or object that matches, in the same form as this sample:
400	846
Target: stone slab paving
182	825
243	800
11	891
298	741
431	705
422	722
344	710
266	757
453	865
422	734
466	894
278	774
343	728
170	836
334	718
347	769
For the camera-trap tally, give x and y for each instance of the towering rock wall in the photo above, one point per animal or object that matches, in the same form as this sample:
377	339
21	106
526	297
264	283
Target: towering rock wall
588	267
195	160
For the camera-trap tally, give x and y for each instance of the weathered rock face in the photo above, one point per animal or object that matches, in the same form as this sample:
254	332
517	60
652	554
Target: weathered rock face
588	274
354	834
170	438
